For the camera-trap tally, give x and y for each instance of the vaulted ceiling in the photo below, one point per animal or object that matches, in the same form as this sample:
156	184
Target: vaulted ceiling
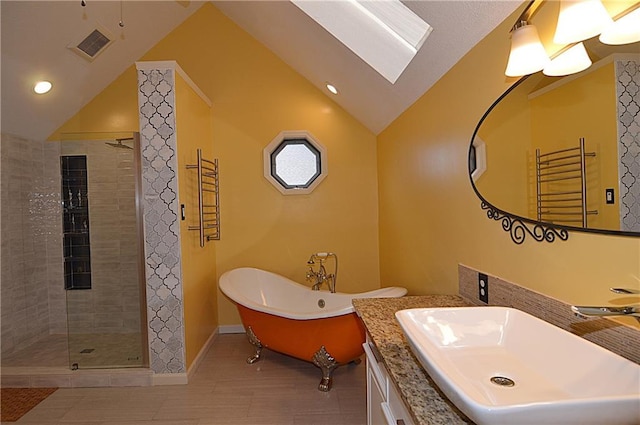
35	36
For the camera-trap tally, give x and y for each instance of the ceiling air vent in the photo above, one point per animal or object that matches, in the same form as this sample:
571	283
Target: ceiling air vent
93	44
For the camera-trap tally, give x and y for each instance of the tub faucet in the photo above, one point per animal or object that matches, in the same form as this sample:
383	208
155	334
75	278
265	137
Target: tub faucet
321	276
632	310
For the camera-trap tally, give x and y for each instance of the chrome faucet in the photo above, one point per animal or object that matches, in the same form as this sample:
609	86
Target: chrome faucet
625	291
321	276
632	310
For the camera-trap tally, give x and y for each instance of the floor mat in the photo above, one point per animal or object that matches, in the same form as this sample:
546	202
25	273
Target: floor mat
16	402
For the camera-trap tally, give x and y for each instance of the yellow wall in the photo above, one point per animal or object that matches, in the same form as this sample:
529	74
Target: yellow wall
193	131
418	199
556	126
115	109
256	96
430	219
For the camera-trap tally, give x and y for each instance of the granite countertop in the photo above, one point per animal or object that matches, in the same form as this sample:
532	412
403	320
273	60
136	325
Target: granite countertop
426	403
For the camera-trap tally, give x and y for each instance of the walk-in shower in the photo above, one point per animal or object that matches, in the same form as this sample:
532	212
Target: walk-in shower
82	230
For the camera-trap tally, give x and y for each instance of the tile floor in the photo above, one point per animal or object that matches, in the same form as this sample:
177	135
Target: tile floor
224	390
51	351
106	351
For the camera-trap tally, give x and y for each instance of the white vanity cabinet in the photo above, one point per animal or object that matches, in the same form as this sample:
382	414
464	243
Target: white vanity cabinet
384	405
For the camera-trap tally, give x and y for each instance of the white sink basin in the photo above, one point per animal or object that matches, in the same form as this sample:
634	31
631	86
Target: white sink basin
558	378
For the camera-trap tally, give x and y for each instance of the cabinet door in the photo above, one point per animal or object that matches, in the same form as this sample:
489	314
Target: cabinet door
399	412
384	405
375	400
378	370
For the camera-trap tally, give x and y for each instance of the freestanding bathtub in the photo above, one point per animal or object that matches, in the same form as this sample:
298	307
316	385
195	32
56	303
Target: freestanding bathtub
290	318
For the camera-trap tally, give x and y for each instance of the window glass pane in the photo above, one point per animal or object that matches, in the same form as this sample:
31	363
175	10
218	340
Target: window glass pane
296	164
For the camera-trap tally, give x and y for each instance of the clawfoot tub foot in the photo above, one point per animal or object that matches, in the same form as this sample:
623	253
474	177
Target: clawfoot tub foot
327	364
253	339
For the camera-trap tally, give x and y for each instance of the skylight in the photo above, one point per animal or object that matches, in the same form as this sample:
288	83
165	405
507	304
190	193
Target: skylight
385	34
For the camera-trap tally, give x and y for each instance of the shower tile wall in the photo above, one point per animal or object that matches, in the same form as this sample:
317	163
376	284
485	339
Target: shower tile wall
32	303
55	252
113	303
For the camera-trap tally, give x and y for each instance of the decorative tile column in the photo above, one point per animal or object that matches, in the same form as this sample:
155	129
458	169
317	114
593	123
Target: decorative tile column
156	102
628	111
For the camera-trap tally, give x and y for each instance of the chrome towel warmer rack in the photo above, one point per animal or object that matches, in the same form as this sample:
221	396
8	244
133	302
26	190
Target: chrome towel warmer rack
208	199
561	184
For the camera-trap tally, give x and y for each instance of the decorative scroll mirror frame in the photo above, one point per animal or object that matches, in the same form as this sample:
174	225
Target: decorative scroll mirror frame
520	227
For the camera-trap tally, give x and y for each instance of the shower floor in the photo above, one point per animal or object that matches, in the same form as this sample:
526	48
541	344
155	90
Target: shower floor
87	350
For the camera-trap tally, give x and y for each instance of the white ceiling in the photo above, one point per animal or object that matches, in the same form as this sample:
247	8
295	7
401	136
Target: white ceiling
35	36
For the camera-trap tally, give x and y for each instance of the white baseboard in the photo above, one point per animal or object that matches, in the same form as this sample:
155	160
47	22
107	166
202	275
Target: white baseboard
231	329
203	351
183	378
169	379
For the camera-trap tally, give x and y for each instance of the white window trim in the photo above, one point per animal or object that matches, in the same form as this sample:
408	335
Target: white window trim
286	135
481	158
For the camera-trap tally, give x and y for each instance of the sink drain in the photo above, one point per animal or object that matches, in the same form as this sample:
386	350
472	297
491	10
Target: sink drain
502	381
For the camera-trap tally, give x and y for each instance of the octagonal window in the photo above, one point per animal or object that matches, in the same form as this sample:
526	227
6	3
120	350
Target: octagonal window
295	162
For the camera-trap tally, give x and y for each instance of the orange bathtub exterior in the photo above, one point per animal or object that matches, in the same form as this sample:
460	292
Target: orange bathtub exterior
342	336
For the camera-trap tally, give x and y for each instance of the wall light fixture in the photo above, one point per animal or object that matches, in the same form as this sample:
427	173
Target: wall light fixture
527	52
570	61
624	30
578	20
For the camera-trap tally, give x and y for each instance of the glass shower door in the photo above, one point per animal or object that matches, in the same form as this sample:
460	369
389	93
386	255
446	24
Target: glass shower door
104	278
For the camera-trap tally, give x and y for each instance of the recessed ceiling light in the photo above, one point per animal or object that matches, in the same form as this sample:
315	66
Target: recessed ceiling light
332	88
42	87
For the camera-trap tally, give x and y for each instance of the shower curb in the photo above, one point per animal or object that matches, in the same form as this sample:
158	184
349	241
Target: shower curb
39	377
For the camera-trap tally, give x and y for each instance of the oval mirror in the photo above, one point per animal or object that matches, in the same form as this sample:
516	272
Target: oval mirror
563	153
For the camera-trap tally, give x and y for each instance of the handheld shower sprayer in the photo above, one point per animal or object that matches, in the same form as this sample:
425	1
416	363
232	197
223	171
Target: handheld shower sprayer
321	275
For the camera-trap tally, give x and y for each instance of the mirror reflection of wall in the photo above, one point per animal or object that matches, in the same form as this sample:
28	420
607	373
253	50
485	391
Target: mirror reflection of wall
584	107
628	89
600	105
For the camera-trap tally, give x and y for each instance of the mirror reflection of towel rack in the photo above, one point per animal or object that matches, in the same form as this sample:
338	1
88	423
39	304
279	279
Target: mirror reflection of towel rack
561	185
208	199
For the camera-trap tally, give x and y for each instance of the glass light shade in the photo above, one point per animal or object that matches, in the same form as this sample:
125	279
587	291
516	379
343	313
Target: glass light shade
574	59
527	52
579	20
625	30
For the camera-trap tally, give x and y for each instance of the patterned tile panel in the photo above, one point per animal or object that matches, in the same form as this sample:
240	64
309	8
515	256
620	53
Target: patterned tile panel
156	100
628	110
